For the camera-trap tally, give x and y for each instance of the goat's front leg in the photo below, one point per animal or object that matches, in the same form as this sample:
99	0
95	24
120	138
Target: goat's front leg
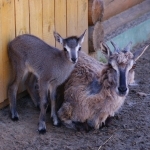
43	106
56	121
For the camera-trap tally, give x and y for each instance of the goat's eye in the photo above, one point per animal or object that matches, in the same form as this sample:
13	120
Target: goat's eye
110	66
65	49
133	67
79	48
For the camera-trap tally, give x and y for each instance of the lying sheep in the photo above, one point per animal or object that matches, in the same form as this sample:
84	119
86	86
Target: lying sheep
96	91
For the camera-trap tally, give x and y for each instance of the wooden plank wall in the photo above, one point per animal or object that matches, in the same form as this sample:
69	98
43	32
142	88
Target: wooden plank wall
41	18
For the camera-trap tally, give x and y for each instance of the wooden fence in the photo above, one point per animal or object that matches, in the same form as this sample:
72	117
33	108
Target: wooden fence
40	18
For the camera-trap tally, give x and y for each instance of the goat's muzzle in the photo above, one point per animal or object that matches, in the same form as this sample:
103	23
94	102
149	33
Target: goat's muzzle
122	90
74	60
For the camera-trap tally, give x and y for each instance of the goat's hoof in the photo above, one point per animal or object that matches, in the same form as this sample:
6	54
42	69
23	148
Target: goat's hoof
15	118
42	131
59	124
56	123
102	126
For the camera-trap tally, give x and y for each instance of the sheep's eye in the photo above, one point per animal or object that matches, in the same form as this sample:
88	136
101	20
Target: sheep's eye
65	49
79	48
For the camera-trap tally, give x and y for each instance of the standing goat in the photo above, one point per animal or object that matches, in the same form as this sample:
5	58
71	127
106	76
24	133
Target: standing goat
96	91
51	66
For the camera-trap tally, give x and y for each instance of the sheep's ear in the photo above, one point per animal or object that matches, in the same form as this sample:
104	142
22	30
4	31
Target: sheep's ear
58	38
139	53
105	49
81	38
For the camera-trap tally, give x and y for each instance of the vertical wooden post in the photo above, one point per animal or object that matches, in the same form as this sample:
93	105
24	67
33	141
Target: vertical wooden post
72	14
77	19
60	19
1	58
48	21
7	33
22	16
82	22
36	17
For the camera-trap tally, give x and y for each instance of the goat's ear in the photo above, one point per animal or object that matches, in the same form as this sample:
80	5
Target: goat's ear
81	38
128	47
139	53
58	38
105	49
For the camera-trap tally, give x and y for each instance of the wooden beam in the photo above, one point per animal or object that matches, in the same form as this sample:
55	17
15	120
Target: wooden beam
95	11
1	57
22	16
72	20
114	7
104	9
82	22
60	19
48	22
7	33
36	17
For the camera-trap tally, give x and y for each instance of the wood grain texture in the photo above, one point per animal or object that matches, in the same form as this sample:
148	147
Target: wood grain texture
114	7
1	58
60	19
95	11
35	8
72	14
82	22
7	33
48	21
22	16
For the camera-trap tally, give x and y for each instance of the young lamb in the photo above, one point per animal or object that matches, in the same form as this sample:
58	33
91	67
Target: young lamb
96	91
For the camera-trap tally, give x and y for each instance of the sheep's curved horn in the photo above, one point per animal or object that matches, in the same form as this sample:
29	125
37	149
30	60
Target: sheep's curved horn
128	47
115	47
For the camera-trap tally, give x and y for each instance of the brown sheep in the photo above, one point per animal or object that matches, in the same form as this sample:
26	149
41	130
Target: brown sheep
96	91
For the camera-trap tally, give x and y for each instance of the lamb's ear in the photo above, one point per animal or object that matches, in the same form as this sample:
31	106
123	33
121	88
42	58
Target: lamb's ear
81	38
105	49
139	53
58	38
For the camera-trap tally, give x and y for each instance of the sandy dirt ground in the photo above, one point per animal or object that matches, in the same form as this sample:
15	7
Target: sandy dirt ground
129	129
